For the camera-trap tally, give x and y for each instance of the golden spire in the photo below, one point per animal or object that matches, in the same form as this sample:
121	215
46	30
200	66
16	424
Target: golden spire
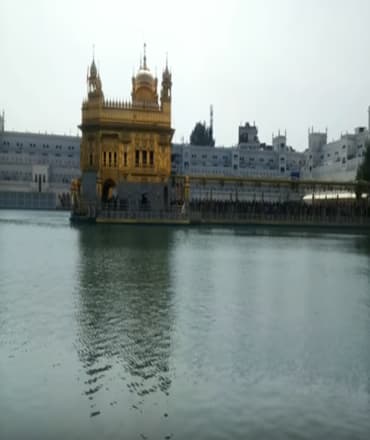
93	69
166	71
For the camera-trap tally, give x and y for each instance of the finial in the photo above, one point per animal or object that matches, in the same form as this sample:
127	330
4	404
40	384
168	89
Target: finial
167	65
93	69
145	56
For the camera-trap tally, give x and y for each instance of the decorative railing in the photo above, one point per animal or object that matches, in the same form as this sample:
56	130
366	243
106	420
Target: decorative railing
321	213
127	105
136	105
279	218
113	103
331	214
143	214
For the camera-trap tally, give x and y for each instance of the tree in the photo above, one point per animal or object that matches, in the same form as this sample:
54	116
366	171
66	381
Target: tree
363	172
202	135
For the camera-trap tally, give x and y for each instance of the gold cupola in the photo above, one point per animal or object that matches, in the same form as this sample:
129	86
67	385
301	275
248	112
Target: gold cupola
144	86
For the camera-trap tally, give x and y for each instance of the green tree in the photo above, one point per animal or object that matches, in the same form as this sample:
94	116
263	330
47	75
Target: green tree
363	172
202	135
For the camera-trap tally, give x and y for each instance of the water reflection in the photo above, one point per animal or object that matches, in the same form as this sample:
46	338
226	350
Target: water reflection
251	335
125	312
362	244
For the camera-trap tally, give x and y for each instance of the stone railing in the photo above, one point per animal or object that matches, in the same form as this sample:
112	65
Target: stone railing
279	218
143	214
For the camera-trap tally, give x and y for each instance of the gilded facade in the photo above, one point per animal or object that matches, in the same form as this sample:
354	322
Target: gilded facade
126	145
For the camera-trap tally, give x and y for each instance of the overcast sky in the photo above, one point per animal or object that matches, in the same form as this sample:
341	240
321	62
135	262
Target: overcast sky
286	64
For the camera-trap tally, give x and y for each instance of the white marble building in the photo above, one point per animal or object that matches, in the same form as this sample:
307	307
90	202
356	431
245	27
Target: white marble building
35	163
336	160
250	158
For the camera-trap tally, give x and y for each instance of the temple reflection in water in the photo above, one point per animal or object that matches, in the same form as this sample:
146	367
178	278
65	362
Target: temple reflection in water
125	310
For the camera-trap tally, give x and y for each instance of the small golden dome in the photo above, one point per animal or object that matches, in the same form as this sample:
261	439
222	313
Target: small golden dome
144	85
144	77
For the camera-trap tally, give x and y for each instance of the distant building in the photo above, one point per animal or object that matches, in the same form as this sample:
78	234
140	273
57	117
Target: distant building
250	158
36	169
336	160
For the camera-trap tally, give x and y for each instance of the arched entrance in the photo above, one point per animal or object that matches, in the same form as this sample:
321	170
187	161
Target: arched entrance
108	190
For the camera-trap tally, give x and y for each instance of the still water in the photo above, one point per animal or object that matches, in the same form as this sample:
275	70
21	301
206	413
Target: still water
130	332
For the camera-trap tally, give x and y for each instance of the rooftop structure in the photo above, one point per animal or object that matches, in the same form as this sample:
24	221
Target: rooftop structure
338	159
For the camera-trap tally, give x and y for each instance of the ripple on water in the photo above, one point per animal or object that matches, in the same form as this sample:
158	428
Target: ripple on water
201	334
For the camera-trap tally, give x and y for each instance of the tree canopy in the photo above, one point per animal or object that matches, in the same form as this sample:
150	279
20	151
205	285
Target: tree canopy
202	135
363	172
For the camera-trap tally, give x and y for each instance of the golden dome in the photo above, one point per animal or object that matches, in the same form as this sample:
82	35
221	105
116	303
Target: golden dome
144	85
144	78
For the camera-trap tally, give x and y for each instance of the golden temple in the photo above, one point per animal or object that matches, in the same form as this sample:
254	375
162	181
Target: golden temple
126	145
